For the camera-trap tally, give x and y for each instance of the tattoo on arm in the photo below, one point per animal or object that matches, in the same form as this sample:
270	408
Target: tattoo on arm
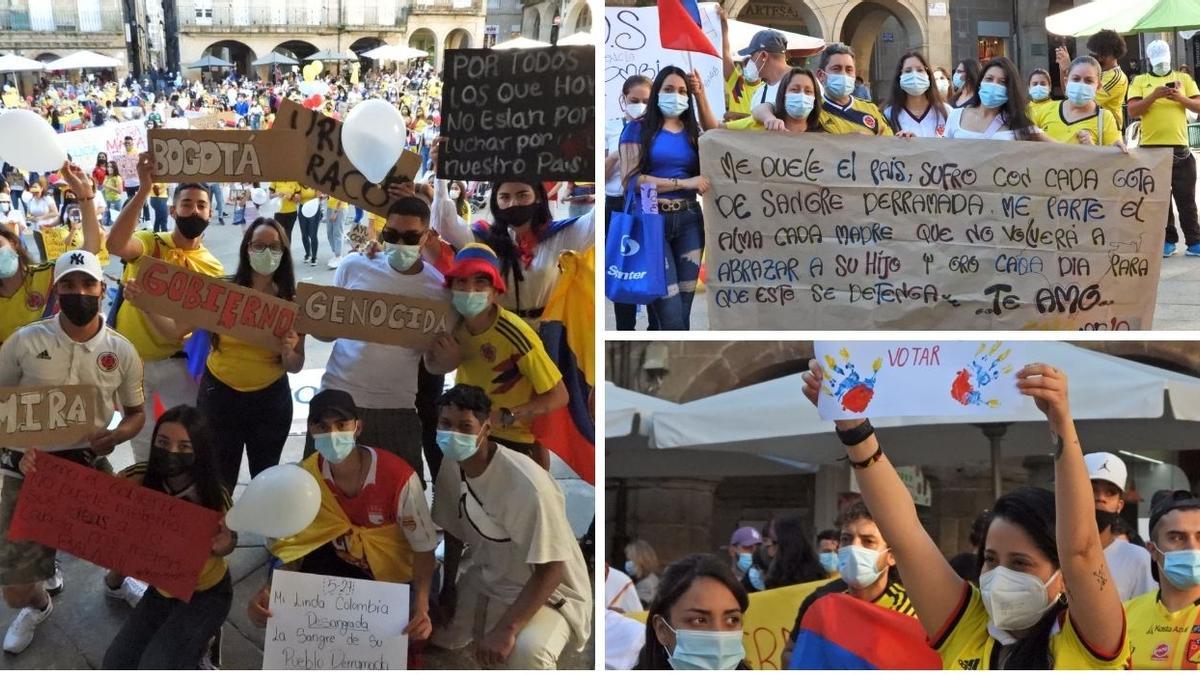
1101	578
1058	447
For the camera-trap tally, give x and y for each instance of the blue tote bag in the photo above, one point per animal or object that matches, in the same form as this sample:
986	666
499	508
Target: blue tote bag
635	270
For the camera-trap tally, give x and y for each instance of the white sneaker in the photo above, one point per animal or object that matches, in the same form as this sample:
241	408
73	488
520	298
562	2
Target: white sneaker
54	584
334	262
131	591
20	631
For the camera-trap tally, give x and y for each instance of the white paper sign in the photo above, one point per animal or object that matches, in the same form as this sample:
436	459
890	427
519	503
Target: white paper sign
899	379
321	622
85	144
632	47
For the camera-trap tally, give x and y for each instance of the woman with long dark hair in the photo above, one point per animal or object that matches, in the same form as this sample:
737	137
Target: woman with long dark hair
695	620
799	91
964	83
916	107
661	150
1039	549
795	561
998	110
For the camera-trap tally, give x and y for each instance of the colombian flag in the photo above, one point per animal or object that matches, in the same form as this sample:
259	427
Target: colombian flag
568	331
832	638
679	27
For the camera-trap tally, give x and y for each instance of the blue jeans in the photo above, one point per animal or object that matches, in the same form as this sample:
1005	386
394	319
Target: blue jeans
216	195
335	222
159	204
684	232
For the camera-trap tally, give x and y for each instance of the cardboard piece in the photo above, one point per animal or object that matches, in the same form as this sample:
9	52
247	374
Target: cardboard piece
33	417
320	622
126	164
899	379
115	524
332	312
303	145
519	114
214	304
816	232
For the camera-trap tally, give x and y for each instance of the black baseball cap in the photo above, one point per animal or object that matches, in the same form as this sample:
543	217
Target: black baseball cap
332	400
766	41
1166	501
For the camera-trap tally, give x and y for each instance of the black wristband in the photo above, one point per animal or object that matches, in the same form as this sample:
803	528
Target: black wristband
860	433
875	457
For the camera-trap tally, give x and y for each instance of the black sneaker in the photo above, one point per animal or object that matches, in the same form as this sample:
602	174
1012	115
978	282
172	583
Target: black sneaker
54	585
211	659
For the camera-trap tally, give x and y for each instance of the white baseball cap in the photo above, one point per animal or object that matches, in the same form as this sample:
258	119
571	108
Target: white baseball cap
1106	466
1158	52
78	261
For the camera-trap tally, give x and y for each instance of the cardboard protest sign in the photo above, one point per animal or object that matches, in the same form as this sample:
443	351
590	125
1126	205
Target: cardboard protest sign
632	47
43	416
845	233
519	114
332	312
303	145
115	524
126	164
320	622
214	304
897	379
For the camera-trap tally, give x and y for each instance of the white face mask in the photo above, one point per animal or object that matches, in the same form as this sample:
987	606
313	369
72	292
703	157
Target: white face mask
1014	600
635	110
1161	68
750	71
859	566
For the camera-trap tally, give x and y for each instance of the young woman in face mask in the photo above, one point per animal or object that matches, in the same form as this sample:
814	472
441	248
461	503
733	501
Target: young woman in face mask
916	107
635	94
1039	93
695	621
941	81
40	208
798	95
245	388
458	194
1038	549
1080	119
964	83
661	151
997	111
641	564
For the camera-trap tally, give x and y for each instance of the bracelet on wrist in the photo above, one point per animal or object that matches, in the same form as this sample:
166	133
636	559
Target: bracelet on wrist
860	433
875	457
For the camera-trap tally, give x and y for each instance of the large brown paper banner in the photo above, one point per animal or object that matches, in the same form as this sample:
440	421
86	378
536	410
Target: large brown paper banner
213	304
303	145
41	416
332	312
820	232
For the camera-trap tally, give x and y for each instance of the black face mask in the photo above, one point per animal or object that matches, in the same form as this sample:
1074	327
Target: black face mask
177	463
517	215
1105	520
78	308
191	226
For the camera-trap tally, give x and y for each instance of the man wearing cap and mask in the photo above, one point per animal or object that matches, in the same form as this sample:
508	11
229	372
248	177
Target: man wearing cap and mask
757	79
841	111
1130	564
742	545
73	347
1162	623
1162	98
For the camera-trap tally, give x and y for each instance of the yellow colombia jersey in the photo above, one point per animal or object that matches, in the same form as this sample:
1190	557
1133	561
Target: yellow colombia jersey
745	124
29	303
1111	93
243	366
858	117
1101	125
1036	109
508	362
964	643
1162	640
284	190
130	321
215	567
1165	123
895	598
738	93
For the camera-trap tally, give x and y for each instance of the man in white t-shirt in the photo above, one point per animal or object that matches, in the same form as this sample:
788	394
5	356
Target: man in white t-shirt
1130	564
525	595
383	378
620	593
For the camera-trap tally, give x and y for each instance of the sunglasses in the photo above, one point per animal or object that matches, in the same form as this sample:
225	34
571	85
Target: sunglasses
391	236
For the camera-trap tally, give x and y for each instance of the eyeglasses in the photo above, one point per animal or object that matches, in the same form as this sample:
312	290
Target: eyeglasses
409	238
259	248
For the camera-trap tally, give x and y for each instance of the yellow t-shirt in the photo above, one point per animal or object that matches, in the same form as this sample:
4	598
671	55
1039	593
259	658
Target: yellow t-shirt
739	94
1162	640
745	124
215	567
1036	109
964	643
864	118
131	322
1114	84
243	366
508	362
284	190
28	304
1165	123
1100	125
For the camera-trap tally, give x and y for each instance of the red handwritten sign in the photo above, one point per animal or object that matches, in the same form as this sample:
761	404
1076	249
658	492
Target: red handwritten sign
116	524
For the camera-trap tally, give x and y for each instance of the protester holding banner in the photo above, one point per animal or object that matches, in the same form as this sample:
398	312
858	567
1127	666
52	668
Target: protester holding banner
915	108
1107	47
695	620
1039	549
766	63
998	110
525	595
798	94
1039	93
52	352
841	111
1080	118
167	376
965	83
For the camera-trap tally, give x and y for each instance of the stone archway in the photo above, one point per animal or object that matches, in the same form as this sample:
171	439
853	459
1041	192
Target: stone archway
879	32
238	53
297	49
366	44
577	19
532	24
458	38
425	40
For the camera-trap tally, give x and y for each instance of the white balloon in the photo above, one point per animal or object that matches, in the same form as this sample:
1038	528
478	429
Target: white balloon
280	502
309	208
38	148
373	135
272	207
259	196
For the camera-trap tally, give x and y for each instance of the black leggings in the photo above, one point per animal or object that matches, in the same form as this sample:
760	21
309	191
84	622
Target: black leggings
308	234
288	221
259	421
168	633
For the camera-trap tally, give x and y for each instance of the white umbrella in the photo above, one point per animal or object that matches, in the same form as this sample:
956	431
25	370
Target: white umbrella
84	60
741	33
11	63
585	38
520	43
394	53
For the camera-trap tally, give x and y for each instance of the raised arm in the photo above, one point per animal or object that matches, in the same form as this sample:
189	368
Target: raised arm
727	62
445	219
81	185
703	110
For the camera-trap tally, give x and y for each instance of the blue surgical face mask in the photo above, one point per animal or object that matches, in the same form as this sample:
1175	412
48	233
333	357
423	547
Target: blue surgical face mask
957	80
1182	568
1039	92
706	649
829	560
859	566
456	445
838	85
745	561
470	303
914	83
756	579
402	256
1080	93
672	105
798	105
992	94
629	569
335	446
9	262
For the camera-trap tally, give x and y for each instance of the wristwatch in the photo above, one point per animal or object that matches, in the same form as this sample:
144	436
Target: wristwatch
507	417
